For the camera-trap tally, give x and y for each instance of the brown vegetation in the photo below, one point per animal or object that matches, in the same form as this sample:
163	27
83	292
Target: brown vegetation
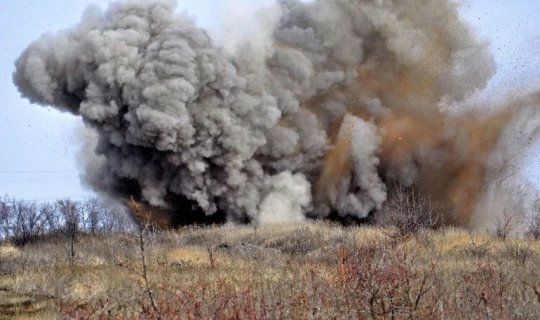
307	271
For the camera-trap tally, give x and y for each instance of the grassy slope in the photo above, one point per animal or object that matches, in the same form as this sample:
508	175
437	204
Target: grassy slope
315	270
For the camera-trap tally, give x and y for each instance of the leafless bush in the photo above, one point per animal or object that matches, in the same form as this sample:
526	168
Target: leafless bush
520	254
476	250
506	225
408	213
484	292
389	283
144	265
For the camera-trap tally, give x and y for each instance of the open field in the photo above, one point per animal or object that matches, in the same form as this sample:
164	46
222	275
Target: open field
306	271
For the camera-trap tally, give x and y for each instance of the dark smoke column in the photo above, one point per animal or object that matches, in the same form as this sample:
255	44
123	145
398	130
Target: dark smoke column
297	128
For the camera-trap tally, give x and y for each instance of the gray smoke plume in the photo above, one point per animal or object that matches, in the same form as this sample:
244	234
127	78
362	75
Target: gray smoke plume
344	98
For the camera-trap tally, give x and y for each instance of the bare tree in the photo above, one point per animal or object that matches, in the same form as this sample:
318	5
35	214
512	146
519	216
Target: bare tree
5	218
27	223
70	212
533	222
51	218
109	221
92	215
33	219
23	221
20	231
115	219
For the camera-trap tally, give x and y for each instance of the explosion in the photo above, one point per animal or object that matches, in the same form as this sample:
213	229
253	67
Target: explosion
344	99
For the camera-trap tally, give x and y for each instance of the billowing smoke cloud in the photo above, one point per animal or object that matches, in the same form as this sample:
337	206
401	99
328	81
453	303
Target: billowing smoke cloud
344	98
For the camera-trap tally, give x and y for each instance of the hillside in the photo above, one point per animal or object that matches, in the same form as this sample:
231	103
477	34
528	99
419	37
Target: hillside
306	271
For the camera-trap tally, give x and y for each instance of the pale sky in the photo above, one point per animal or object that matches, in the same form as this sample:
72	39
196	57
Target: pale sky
39	146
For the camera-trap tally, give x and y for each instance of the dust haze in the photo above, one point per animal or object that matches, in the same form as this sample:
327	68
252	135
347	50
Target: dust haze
336	102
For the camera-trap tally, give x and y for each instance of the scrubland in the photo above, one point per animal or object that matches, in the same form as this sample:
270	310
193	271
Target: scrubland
316	270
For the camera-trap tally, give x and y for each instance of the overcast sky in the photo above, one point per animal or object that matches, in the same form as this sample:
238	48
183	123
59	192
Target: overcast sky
39	146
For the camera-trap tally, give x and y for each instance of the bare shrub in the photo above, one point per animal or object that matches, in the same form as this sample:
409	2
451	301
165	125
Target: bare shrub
390	284
520	254
408	213
485	290
476	250
506	225
144	264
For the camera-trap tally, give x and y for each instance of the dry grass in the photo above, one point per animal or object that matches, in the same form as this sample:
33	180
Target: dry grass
307	271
